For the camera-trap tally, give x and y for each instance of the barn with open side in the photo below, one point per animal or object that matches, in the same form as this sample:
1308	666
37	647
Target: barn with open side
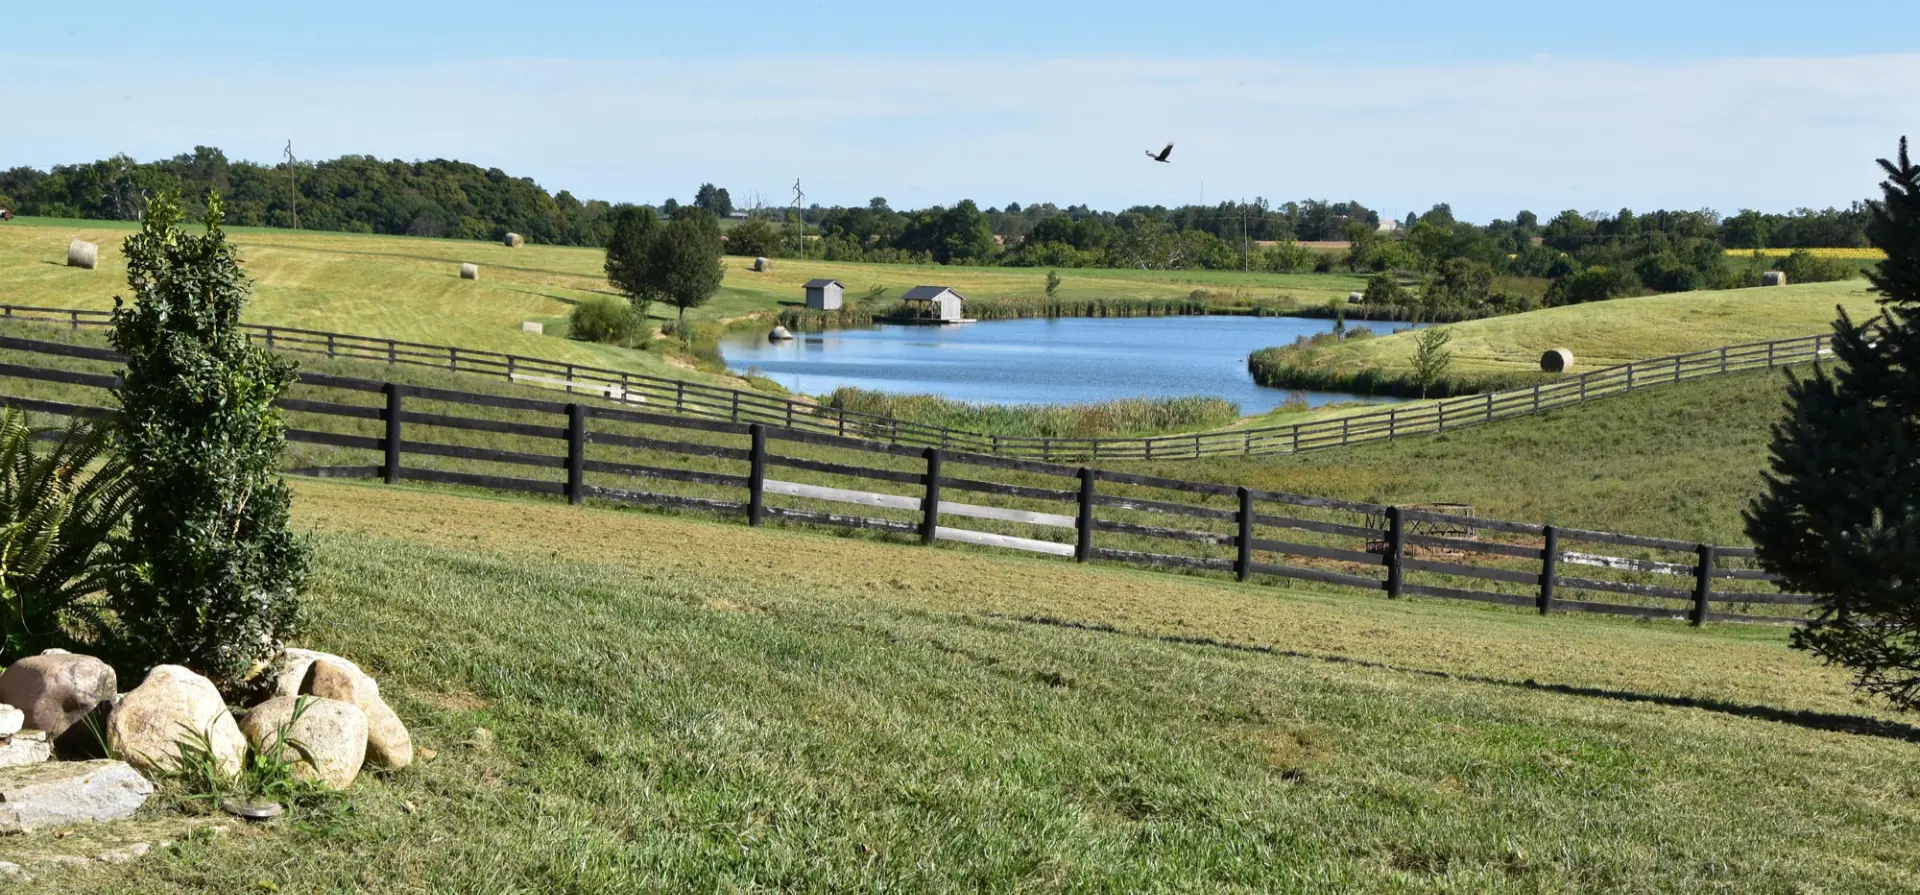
936	303
825	295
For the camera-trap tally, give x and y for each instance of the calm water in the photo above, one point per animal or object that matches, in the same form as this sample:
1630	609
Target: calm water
1067	361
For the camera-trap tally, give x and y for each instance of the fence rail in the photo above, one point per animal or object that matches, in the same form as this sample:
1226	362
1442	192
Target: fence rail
741	406
345	426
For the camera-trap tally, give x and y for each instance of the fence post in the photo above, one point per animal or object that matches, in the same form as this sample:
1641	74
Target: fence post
930	506
1148	444
1549	569
1702	586
1536	399
1489	407
736	407
679	396
393	352
269	336
1243	561
1396	551
576	453
1083	528
1723	358
392	472
757	475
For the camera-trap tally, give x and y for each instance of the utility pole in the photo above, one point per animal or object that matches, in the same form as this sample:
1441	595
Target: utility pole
293	187
1244	268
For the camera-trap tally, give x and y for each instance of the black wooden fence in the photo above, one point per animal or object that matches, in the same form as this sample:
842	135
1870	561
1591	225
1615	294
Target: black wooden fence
344	426
740	406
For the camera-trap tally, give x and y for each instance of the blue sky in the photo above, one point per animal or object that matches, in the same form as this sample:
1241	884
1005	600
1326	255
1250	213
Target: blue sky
1491	106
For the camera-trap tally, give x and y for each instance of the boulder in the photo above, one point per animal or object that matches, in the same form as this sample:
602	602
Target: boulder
63	793
388	743
25	748
329	738
174	705
11	720
779	334
304	672
56	689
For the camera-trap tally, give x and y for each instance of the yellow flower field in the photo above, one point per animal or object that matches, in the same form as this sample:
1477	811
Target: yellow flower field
1849	254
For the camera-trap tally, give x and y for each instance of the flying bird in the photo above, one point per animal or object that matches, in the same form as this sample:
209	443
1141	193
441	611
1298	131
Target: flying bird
1162	157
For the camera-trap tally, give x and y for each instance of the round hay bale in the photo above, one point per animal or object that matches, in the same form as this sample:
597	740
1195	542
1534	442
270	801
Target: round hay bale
1556	360
469	271
534	327
1354	298
762	265
513	240
81	253
779	334
1774	278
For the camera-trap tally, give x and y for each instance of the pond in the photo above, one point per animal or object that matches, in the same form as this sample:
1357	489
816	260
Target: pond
1074	360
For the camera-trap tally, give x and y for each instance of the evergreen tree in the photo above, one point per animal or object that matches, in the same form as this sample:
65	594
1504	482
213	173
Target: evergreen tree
1840	514
209	571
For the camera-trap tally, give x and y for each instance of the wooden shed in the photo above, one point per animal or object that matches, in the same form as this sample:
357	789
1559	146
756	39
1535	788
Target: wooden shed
939	304
824	295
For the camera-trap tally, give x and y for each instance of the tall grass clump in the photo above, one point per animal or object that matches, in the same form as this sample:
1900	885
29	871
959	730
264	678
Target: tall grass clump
611	321
1106	419
1307	364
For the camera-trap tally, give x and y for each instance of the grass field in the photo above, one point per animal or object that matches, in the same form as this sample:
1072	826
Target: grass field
409	288
1600	334
1675	461
687	706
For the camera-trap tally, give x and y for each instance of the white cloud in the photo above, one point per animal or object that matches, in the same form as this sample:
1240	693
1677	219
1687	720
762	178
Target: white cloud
1489	138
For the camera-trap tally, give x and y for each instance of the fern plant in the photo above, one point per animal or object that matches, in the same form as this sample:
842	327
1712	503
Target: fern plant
59	509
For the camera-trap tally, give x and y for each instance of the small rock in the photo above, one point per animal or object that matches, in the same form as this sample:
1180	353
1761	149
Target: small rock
62	793
11	869
172	704
425	754
25	748
11	720
56	689
125	853
332	735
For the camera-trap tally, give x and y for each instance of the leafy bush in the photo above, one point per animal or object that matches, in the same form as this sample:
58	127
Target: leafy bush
609	320
753	237
1802	266
210	571
59	510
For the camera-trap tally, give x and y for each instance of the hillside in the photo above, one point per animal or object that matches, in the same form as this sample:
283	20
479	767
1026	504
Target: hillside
1676	460
1599	334
404	287
731	709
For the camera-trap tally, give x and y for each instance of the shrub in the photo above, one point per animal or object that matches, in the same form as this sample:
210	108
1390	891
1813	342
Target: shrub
59	510
1384	289
753	237
210	571
1802	266
606	319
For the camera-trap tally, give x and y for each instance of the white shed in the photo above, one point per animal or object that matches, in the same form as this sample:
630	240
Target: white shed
939	303
824	295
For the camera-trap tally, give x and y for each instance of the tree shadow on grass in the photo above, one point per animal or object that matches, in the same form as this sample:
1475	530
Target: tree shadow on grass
1859	725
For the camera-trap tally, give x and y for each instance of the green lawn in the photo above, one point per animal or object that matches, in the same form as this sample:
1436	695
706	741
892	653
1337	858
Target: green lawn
681	705
1675	461
1602	334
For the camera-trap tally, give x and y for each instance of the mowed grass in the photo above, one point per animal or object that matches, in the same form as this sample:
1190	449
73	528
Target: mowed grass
1679	460
1602	334
684	705
409	287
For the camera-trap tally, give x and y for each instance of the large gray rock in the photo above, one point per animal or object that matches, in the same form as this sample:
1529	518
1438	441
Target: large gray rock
56	689
12	720
171	706
62	793
327	742
304	672
24	748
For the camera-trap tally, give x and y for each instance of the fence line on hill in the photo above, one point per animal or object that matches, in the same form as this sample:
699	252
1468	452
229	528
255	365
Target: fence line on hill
737	405
751	470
